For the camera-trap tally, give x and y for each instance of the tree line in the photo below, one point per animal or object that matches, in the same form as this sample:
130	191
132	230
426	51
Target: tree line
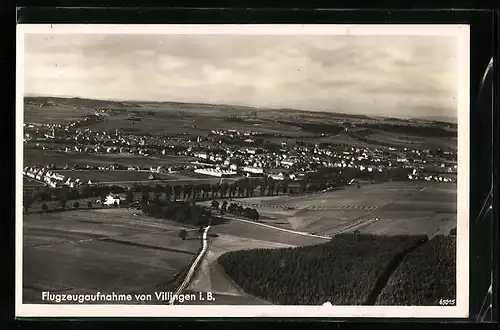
322	178
182	212
235	209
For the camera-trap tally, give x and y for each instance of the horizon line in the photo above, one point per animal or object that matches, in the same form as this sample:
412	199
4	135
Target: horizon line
444	119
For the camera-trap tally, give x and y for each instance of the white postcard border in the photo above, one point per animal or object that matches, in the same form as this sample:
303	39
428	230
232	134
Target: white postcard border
461	309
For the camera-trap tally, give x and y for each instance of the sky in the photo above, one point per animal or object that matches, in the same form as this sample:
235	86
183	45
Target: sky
395	76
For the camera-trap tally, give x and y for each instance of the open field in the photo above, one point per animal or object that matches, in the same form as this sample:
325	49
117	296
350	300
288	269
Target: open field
401	208
54	114
411	141
28	182
46	157
199	119
101	250
234	236
124	176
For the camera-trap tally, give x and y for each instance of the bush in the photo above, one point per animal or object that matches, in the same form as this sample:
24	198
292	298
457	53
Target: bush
343	271
425	276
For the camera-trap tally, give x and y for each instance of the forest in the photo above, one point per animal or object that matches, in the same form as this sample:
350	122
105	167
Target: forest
425	276
343	271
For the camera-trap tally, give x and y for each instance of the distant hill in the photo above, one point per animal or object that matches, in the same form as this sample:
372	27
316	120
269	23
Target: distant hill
171	105
443	119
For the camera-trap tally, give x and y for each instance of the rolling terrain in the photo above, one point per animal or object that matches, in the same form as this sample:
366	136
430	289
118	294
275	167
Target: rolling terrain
379	231
107	250
171	118
400	207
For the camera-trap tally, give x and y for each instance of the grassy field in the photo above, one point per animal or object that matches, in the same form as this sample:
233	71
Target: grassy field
27	182
401	208
409	141
102	250
139	176
54	114
199	119
45	157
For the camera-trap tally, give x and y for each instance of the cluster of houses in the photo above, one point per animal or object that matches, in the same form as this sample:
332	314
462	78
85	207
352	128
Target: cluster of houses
225	159
51	178
421	175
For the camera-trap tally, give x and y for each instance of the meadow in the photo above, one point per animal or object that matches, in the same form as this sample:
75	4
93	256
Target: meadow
47	157
401	208
102	250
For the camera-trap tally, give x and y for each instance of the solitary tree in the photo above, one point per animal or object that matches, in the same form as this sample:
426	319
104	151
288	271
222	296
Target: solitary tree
356	236
63	201
255	215
183	234
130	197
27	203
223	208
76	204
145	197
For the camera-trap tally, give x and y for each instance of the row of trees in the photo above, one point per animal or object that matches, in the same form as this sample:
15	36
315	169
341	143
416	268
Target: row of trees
196	192
65	194
182	212
236	209
63	205
247	187
343	271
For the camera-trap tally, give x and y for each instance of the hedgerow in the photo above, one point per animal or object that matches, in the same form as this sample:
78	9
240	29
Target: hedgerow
425	276
343	271
181	212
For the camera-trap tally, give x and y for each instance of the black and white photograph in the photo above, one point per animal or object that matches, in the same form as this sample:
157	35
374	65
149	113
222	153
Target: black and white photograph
232	170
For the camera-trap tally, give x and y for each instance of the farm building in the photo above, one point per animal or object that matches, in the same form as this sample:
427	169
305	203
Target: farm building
215	172
112	199
153	176
253	169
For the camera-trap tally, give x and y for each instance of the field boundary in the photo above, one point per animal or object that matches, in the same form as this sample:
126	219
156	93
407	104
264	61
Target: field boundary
281	229
193	267
389	270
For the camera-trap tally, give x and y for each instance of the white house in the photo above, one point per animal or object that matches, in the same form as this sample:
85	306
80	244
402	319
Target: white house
112	199
253	169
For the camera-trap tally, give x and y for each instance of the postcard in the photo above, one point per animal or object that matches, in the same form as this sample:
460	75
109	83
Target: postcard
242	171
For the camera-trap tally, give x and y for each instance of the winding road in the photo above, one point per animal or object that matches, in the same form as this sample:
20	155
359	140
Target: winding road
192	269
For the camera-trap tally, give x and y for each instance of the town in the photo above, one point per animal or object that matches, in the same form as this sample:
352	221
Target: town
228	154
